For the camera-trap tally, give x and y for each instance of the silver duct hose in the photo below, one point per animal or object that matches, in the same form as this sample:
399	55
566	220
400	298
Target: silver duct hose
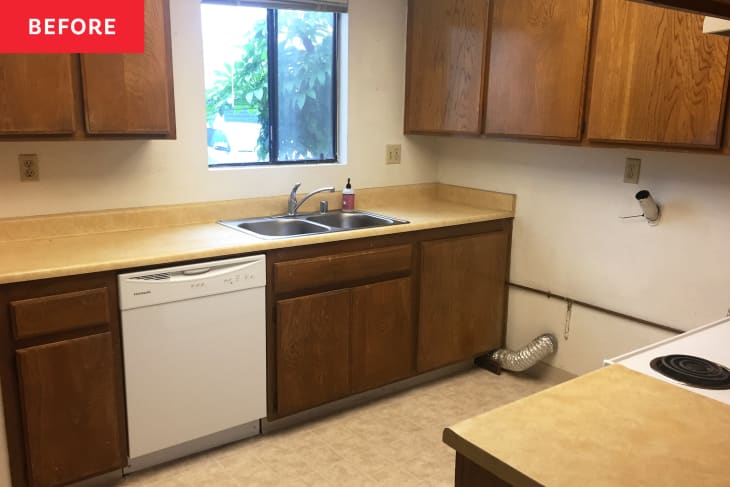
529	355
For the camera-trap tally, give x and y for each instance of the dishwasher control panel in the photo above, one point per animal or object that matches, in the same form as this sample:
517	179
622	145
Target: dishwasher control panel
147	288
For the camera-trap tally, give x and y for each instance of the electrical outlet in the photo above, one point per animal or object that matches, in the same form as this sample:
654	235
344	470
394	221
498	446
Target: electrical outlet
392	154
632	170
28	167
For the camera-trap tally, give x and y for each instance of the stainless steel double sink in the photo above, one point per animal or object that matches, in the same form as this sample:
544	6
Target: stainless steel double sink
286	226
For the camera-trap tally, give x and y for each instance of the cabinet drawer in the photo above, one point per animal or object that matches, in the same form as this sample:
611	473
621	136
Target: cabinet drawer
341	268
59	313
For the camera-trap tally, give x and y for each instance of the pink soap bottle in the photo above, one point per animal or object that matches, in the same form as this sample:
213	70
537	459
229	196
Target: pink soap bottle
348	197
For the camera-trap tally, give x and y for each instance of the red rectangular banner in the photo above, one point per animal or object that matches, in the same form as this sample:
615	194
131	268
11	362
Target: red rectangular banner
72	26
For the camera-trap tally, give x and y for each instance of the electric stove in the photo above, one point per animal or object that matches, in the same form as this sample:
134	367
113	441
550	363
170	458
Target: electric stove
697	360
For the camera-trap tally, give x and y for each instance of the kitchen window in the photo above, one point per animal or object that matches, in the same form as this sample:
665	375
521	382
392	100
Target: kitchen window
271	80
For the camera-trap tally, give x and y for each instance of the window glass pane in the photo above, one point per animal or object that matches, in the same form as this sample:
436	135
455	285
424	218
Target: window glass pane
306	116
236	83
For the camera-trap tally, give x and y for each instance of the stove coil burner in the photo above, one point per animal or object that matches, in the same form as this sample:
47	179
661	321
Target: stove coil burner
693	371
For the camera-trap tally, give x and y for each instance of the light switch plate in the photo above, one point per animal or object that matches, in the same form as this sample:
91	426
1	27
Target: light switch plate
392	154
632	170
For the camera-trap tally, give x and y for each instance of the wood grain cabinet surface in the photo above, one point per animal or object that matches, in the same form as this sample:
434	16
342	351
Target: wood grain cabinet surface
313	350
538	57
61	372
78	97
657	79
36	94
132	93
462	293
445	65
382	333
70	412
335	337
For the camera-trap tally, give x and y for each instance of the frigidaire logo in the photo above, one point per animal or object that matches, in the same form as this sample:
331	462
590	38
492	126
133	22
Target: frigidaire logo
72	26
142	293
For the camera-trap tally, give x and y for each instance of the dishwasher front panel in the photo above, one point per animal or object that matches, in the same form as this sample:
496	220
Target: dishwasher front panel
193	368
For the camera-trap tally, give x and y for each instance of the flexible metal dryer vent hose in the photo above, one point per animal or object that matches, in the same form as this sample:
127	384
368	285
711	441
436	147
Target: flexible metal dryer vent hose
527	356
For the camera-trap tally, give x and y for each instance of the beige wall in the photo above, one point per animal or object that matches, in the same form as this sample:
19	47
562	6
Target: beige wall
80	176
568	238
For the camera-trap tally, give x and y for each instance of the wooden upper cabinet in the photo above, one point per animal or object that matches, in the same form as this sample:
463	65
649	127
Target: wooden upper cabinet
537	68
132	93
36	94
445	65
657	79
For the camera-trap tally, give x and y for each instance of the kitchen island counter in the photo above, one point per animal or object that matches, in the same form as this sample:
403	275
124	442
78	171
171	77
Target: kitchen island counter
612	427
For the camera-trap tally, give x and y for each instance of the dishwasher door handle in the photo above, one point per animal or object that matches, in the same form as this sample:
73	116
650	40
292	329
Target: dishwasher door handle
196	272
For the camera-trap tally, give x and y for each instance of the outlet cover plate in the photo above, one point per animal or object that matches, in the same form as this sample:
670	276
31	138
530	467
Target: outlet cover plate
28	167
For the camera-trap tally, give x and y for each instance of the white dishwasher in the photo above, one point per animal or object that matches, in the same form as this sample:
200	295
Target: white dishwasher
194	339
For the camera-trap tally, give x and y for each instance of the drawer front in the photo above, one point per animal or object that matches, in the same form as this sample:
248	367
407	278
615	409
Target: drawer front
341	268
59	313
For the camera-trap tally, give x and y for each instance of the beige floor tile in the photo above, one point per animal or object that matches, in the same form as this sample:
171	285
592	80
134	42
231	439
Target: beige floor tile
395	441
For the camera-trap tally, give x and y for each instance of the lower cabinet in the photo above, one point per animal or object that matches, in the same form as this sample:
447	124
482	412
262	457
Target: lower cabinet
382	333
462	298
61	371
352	316
332	344
69	405
313	348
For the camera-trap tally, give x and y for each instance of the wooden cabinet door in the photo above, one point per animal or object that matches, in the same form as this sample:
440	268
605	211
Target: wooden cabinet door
657	79
132	93
462	298
538	56
36	94
445	65
312	350
383	334
71	410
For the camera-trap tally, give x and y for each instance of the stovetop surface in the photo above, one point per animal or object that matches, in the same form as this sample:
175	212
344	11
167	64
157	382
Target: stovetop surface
710	342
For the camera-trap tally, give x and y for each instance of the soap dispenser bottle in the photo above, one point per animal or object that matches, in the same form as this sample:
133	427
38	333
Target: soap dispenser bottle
348	197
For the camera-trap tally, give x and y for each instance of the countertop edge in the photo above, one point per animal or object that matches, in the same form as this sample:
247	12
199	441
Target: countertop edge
245	246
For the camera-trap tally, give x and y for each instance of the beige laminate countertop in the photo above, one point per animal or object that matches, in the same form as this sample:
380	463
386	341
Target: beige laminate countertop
60	255
612	427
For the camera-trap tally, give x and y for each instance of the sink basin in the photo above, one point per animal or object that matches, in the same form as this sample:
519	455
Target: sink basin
278	227
351	221
311	224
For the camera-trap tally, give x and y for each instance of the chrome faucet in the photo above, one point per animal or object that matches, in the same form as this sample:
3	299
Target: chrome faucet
294	204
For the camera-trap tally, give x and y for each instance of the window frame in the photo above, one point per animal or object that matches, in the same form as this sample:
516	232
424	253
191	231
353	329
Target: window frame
273	91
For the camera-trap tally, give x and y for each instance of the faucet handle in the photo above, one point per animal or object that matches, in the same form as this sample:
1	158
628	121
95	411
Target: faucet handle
295	188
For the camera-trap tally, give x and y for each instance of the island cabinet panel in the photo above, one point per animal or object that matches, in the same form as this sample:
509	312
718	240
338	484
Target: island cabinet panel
313	350
462	293
538	59
445	66
132	93
657	79
70	412
383	335
36	94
